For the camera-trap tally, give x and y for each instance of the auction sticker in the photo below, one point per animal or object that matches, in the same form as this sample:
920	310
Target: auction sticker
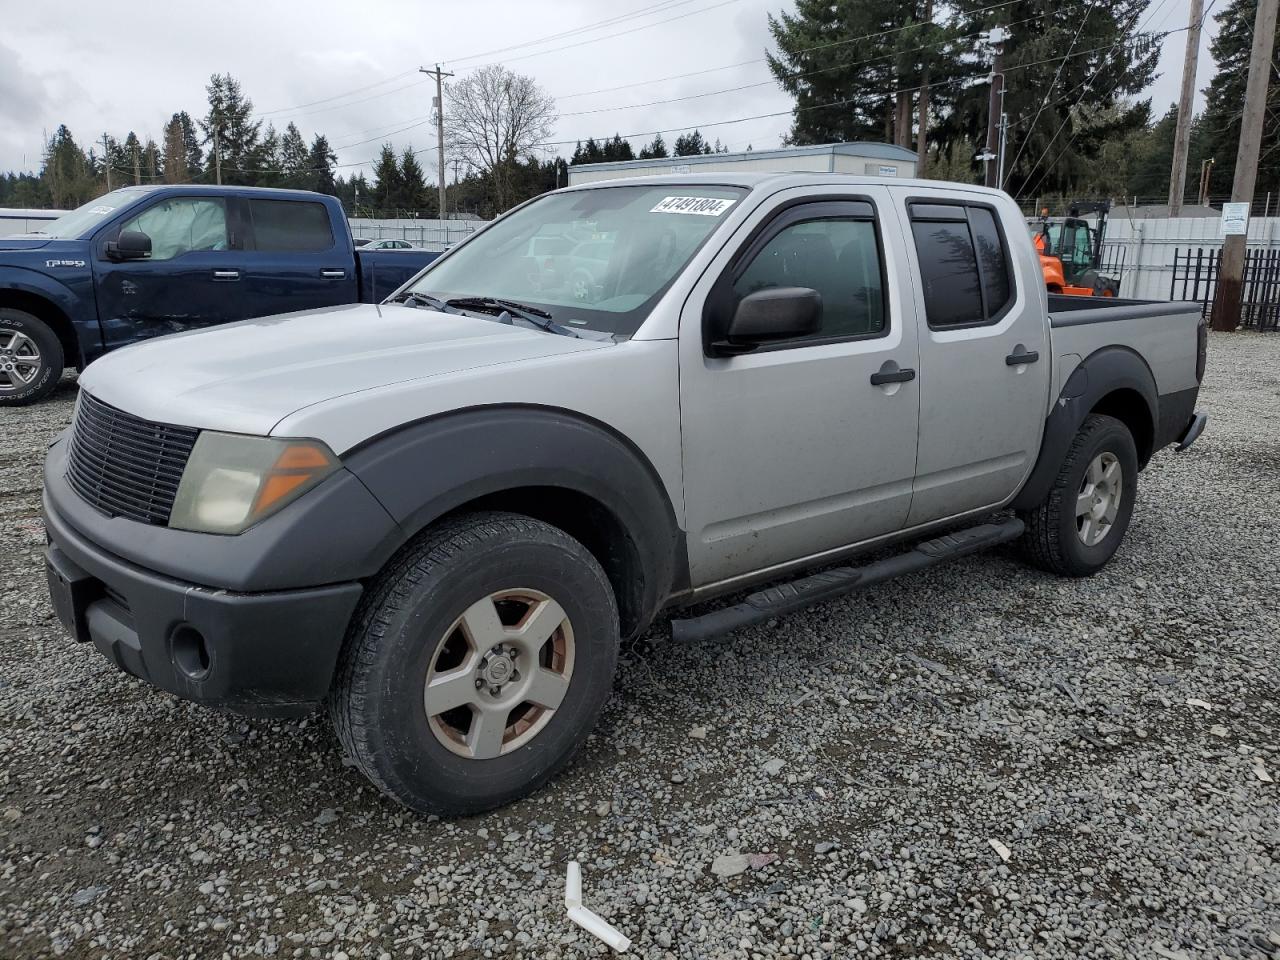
702	206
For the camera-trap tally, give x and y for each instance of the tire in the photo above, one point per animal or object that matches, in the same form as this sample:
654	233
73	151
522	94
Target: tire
1060	540
424	619
31	358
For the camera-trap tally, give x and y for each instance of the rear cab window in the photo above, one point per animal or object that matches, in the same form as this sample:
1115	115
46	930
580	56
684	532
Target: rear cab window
290	226
965	263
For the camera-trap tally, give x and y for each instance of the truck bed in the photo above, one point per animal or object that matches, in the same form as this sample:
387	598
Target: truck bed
382	271
1081	326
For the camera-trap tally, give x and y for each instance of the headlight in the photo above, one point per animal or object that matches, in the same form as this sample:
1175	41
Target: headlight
232	481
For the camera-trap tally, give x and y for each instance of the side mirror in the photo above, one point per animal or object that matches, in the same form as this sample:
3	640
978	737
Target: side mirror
130	245
777	313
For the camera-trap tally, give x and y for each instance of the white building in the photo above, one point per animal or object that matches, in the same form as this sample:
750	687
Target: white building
875	159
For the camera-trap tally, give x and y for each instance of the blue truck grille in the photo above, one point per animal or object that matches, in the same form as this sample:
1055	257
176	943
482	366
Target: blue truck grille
124	465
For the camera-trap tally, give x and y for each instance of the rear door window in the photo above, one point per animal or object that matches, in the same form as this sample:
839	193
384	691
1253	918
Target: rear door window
290	226
996	284
964	264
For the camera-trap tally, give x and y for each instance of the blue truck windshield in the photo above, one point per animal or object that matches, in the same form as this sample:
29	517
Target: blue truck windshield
82	220
591	258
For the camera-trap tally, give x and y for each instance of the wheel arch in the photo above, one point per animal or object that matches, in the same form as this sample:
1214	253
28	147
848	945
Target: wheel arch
555	465
45	309
1114	381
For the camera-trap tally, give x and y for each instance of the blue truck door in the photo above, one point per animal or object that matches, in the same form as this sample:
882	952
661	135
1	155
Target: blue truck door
191	278
297	259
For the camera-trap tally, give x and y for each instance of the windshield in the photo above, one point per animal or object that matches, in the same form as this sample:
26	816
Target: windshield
83	219
590	258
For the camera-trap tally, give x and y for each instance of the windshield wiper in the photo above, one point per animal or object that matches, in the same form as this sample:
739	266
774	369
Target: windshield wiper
534	316
426	299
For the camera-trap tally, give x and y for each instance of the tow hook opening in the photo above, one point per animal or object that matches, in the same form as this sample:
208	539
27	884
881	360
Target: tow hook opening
189	651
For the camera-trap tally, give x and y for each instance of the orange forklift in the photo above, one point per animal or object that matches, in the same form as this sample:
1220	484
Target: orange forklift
1071	249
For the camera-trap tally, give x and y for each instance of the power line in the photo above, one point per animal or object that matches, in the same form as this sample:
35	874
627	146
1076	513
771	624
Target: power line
662	7
621	33
1088	86
791	76
653	8
336	96
747	63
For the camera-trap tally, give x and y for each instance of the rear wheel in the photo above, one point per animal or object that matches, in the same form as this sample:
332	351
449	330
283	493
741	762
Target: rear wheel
30	358
478	664
1078	528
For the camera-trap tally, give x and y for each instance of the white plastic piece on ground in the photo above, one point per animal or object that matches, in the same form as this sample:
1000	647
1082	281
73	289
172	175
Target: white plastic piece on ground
596	926
1001	849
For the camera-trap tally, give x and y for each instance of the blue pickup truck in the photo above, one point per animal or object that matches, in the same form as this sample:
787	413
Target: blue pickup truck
145	261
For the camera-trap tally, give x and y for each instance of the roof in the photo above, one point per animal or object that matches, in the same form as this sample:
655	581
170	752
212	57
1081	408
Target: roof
210	189
859	148
753	180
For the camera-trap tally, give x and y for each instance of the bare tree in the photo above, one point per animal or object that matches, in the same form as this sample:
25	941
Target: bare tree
495	117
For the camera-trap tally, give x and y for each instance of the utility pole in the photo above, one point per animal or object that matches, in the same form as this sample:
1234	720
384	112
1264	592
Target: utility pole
995	102
1226	301
1182	137
1004	140
217	157
922	117
439	75
106	157
1206	176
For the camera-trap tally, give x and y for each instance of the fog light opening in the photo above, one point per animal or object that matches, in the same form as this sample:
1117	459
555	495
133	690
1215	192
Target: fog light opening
189	651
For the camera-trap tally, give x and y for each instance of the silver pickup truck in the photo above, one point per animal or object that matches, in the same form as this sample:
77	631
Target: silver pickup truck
437	517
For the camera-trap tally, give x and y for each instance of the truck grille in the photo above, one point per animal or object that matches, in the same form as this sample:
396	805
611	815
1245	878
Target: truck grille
124	465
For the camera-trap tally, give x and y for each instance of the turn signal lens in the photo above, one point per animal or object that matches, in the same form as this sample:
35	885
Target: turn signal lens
232	481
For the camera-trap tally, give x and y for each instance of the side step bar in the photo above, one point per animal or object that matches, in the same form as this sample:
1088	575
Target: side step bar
789	597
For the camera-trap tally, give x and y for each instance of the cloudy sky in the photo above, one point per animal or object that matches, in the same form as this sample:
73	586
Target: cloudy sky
348	68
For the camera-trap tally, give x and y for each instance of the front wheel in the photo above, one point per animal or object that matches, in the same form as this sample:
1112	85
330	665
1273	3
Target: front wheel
30	358
477	665
1078	528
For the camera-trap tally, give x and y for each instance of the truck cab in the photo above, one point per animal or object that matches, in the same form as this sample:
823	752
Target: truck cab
142	262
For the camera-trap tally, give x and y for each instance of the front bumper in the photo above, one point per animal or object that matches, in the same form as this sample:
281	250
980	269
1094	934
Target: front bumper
262	654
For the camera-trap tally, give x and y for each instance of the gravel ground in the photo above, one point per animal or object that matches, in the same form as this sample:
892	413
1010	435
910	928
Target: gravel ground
980	760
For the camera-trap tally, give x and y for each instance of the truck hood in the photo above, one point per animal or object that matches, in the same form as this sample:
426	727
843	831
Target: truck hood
24	242
246	377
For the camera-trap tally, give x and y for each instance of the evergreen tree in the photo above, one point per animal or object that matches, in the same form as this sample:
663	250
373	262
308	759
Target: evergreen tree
175	153
589	152
1225	99
320	161
191	144
1086	97
266	165
853	65
229	126
617	149
295	159
67	178
413	185
691	144
655	150
150	161
387	187
133	158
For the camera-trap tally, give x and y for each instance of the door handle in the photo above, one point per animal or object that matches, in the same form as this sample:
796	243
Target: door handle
1021	356
226	274
334	274
882	376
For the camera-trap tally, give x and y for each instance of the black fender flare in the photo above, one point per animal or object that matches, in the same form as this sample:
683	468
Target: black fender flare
422	471
1103	372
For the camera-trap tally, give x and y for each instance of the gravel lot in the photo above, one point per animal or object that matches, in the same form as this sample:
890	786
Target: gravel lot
826	785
